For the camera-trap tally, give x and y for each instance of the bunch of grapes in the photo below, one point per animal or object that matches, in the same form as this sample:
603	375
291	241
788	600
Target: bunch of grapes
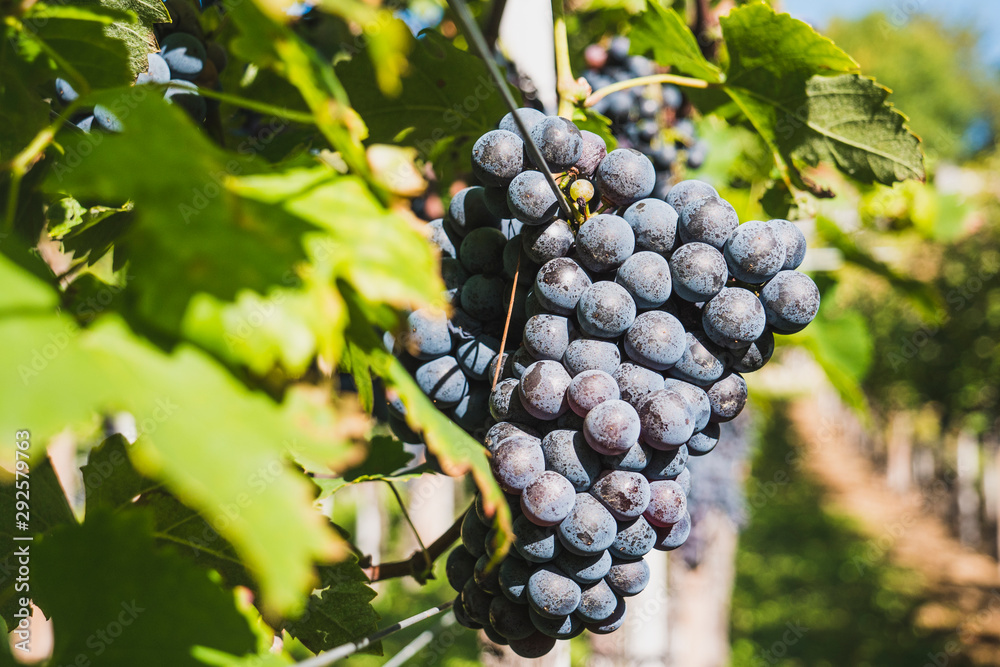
652	119
631	322
184	62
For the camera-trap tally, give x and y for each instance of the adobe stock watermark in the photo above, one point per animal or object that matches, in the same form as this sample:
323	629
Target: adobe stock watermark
779	649
104	637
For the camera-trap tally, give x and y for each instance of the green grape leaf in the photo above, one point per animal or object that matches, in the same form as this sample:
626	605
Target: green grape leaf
339	611
22	112
663	32
379	252
103	61
386	460
137	36
109	480
208	656
782	76
240	245
233	470
106	603
447	100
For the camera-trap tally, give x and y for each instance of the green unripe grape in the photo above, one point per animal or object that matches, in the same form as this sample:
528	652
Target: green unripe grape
581	189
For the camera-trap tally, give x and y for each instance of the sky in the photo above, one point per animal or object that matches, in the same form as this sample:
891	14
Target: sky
983	15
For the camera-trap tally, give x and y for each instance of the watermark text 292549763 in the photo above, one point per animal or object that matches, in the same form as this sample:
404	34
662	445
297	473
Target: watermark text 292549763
22	534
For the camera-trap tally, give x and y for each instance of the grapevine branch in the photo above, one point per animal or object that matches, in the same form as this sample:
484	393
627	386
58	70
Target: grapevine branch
419	563
565	85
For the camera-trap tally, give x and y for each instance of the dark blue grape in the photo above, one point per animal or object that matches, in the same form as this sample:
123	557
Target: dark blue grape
505	402
426	335
503	430
606	310
567	453
443	239
565	627
106	120
604	242
587	569
158	71
671	537
497	157
589	389
701	363
531	199
496	201
459	567
593	152
548	499
546	242
709	220
482	297
634	539
654	223
597	603
467	211
697	400
688	191
705	441
516	462
185	55
443	380
754	252
551	593
634	459
510	619
698	272
646	276
547	336
625	176
667	503
667	464
543	389
528	116
65	92
559	141
474	356
86	124
454	276
537	544
791	301
589	528
185	95
666	420
734	318
585	354
486	576
625	494
727	397
636	382
684	479
476	602
473	411
534	646
474	536
628	577
794	241
462	616
559	284
482	250
612	622
755	356
656	340
513	578
612	427
515	260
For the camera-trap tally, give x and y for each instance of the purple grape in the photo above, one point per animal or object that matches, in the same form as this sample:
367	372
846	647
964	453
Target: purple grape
543	389
646	276
727	397
545	242
709	220
548	499
513	578
612	622
701	363
497	157
564	627
589	528
597	603
547	336
667	464
567	453
587	569
634	539
606	310
459	567
559	142
482	251
636	382
486	577
594	151
628	577
656	340
754	252
625	494
510	619
734	318
467	211
426	335
589	389
688	191
671	537
534	646
611	427
794	241
537	544
474	535
635	459
604	242
551	593
516	462
559	285
531	200
528	116
705	441
666	420
443	381
625	176
474	356
697	400
791	301
757	355
585	354
654	223
698	272
667	503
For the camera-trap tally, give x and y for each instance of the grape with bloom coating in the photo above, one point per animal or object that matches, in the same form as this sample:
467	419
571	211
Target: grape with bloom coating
667	464
667	503
654	223
606	310
548	499
604	242
530	198
517	462
634	539
697	400
635	382
585	354
547	336
594	151
646	276
612	426
559	142
546	242
551	593
701	363
586	569
628	577
567	453
426	335
589	389
791	301
543	389
734	318
673	536
589	528
655	340
794	241
705	441
698	272
510	619
559	284
666	421
443	381
537	544
688	191
727	397
497	157
709	220
528	116
754	252
625	176
625	494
